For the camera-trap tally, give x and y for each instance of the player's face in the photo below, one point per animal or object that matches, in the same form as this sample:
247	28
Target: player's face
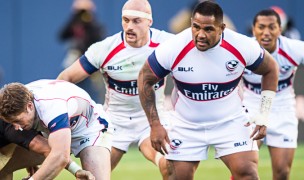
136	30
206	32
267	30
25	120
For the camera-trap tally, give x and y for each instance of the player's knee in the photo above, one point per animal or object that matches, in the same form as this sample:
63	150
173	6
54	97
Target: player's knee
163	167
281	173
248	171
179	171
170	168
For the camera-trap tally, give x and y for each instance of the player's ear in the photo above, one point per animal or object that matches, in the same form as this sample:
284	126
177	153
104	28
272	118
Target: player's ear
252	27
223	26
150	23
30	106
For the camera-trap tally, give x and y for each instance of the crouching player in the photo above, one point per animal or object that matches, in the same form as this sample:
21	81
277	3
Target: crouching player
72	119
25	149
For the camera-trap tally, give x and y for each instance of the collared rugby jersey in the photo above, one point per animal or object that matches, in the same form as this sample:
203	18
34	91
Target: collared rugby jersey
206	82
60	104
120	65
288	54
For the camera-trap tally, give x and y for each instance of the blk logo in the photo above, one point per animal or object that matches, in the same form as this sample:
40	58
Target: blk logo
185	69
84	141
114	68
244	143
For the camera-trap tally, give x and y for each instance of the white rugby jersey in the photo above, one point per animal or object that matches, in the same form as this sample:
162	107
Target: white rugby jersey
206	82
61	104
288	54
120	65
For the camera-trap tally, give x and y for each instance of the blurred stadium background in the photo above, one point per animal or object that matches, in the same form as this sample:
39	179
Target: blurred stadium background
30	48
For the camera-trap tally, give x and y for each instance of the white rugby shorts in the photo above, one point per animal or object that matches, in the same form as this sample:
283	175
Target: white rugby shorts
190	142
131	130
282	130
92	134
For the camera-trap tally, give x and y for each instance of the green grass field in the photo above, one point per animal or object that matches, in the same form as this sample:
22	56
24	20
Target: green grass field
134	167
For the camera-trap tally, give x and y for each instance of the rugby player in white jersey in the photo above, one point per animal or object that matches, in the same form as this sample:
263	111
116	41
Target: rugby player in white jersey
25	149
206	62
119	59
282	131
72	119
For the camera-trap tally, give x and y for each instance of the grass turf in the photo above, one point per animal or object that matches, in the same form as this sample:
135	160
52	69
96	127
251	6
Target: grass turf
133	166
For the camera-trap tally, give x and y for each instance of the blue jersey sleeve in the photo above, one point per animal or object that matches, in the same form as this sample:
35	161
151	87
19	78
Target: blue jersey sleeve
87	66
158	70
60	122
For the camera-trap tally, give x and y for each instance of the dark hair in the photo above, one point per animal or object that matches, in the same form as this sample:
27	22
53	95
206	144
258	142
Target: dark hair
209	8
267	12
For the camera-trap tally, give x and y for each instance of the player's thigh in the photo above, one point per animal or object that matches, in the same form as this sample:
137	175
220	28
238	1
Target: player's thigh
96	159
281	157
242	162
6	176
116	155
147	150
182	170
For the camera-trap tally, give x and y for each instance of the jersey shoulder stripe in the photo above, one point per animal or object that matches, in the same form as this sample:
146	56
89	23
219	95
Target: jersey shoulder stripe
233	50
183	53
284	54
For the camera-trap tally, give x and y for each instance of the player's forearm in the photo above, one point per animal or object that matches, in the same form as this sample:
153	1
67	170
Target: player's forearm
40	145
52	166
147	98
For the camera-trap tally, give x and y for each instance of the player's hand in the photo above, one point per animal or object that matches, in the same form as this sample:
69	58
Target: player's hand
31	170
159	138
84	175
259	132
261	126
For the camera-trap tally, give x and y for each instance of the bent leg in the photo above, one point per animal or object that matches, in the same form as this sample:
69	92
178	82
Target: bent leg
116	155
281	160
96	160
21	158
152	155
242	165
181	170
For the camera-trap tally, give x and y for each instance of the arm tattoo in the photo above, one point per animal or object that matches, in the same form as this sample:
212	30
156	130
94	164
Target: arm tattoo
146	81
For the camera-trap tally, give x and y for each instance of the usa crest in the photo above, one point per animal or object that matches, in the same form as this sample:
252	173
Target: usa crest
232	65
175	143
285	69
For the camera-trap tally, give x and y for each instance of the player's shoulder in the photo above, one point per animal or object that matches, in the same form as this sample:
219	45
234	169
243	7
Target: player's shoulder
292	47
238	40
288	42
109	41
175	45
235	36
182	38
160	35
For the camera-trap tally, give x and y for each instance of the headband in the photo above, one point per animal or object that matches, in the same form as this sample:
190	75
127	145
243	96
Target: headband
137	14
